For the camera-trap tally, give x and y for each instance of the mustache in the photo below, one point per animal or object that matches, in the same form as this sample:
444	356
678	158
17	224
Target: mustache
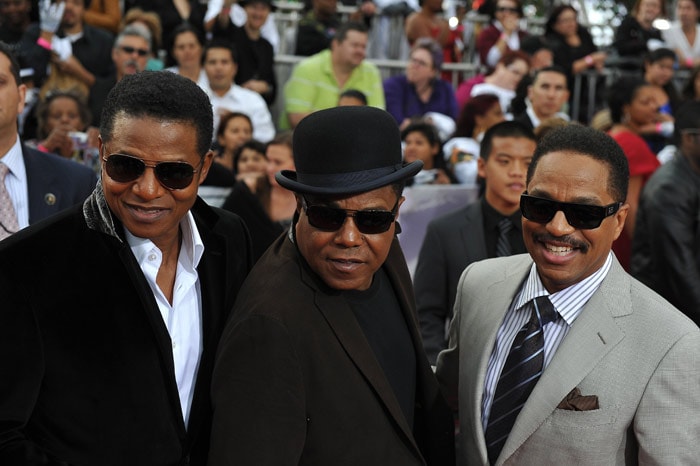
131	62
571	241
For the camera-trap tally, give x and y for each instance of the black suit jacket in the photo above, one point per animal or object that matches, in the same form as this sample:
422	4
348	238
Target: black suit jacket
87	374
524	118
451	242
297	383
54	183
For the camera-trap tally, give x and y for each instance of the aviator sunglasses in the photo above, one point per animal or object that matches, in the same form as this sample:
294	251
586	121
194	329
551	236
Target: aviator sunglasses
579	216
124	168
369	222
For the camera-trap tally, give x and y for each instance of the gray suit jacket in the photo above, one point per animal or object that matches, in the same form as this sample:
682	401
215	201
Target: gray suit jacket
629	347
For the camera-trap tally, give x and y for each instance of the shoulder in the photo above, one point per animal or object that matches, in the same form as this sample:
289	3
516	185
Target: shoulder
98	35
448	222
488	271
55	164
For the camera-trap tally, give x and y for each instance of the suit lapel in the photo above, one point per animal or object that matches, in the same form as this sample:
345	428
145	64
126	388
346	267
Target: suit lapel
481	328
343	323
593	334
472	233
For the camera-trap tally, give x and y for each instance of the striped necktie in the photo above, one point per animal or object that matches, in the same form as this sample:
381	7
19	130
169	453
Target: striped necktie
8	217
503	244
519	376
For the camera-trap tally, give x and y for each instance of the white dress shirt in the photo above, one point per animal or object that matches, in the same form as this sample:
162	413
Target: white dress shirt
568	303
16	183
183	318
239	99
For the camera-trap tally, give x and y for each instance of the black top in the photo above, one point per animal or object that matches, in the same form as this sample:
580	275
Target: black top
247	205
631	38
491	232
379	314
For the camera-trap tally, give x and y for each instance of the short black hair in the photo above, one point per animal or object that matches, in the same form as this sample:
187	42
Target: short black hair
687	117
8	51
354	94
504	129
549	69
42	109
622	92
161	95
579	139
220	44
659	54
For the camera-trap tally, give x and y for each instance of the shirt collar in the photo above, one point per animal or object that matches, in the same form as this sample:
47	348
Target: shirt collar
568	302
492	217
15	161
192	245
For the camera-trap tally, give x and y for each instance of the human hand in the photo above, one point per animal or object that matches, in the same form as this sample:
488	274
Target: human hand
599	60
59	142
50	15
510	24
256	85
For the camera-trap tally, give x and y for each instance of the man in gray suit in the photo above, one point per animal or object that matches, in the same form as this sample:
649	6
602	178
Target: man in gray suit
618	365
470	234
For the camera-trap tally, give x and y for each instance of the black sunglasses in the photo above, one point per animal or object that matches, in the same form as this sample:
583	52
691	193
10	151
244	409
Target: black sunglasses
124	168
369	222
502	9
130	50
579	216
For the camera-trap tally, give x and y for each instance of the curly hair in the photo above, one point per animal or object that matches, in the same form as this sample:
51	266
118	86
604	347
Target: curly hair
42	109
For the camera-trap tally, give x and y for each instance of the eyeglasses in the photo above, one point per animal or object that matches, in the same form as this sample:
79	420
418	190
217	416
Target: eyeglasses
130	50
369	222
418	62
509	9
124	168
579	216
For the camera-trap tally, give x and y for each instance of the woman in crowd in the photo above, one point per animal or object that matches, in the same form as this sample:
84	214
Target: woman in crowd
684	34
658	71
250	160
266	207
637	31
574	50
462	151
502	82
187	48
63	118
234	129
633	110
503	34
421	142
420	90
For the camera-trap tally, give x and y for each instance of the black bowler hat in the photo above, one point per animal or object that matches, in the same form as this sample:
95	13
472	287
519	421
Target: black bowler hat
346	150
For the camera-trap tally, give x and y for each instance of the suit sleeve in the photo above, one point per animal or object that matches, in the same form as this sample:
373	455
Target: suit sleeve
667	425
257	394
21	372
671	224
430	284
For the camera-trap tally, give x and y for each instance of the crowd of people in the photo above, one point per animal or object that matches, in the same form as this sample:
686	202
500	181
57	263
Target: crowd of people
278	322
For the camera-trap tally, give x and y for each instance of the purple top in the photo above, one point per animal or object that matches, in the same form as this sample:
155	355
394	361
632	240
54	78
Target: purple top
403	102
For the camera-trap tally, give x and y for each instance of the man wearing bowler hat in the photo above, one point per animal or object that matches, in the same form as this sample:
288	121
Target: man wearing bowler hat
323	362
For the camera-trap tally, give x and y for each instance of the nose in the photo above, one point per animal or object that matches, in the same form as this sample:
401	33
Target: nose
559	225
348	235
147	186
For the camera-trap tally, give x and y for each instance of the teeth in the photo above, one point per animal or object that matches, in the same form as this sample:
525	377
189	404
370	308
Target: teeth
559	249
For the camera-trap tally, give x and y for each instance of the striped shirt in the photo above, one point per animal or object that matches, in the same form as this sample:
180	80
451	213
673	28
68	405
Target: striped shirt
568	303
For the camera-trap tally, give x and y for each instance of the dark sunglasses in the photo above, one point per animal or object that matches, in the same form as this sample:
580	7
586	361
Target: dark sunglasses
579	216
502	9
130	50
124	168
369	222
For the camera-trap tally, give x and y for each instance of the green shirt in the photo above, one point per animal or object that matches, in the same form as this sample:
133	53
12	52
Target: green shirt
312	86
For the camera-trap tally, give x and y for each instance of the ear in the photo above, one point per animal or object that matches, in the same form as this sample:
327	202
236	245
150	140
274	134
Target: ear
620	217
22	90
398	207
481	167
206	164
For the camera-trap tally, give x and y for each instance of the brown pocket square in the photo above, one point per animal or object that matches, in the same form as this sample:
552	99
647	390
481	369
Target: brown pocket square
574	401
